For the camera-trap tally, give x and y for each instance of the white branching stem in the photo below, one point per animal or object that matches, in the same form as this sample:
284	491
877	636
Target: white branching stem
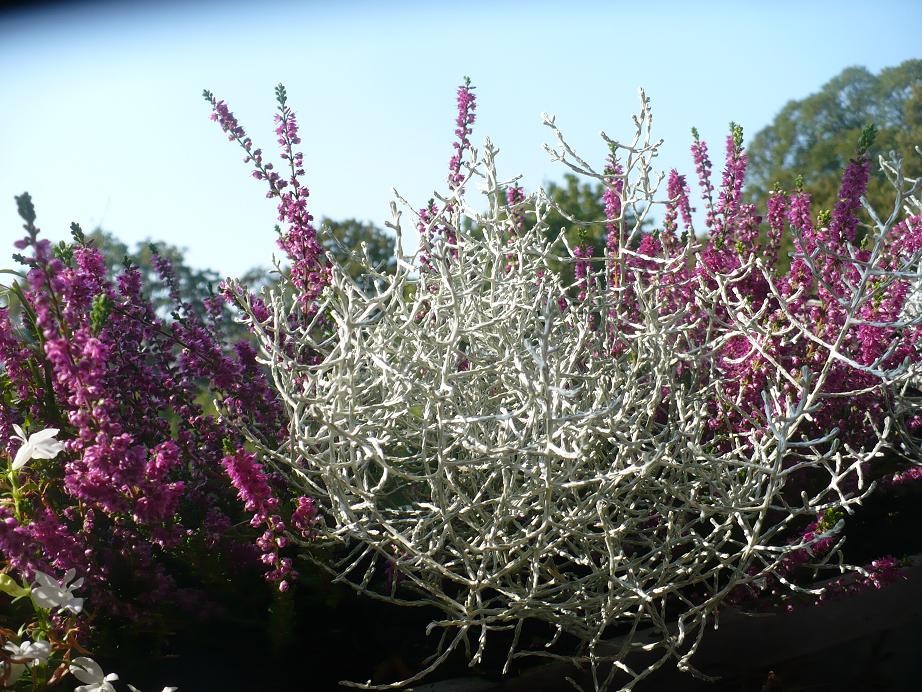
497	452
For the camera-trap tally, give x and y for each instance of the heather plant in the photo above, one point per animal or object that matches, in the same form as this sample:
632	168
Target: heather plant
131	483
678	428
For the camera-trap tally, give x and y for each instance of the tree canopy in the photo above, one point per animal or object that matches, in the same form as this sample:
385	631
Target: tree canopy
192	285
812	139
343	239
584	201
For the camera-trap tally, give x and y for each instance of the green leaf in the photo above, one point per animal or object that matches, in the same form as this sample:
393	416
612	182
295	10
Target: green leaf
77	233
736	131
99	312
64	252
866	140
8	585
24	208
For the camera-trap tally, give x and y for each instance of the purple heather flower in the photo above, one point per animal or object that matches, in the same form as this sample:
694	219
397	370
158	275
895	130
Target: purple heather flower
466	107
777	216
731	188
611	198
310	271
251	482
582	270
677	190
305	517
854	183
515	195
699	150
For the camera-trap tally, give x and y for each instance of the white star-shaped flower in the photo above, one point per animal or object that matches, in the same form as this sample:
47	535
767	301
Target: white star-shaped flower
88	671
40	445
22	655
49	593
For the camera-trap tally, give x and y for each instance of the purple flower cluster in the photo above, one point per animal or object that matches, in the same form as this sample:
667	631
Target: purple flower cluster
702	161
611	199
310	270
813	292
141	460
515	196
424	227
677	190
434	231
304	518
582	270
731	189
466	107
253	489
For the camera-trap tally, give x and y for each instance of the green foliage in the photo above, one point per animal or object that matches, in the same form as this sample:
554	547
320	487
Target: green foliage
578	200
192	283
341	238
813	138
737	131
25	208
344	239
99	312
10	586
583	201
280	95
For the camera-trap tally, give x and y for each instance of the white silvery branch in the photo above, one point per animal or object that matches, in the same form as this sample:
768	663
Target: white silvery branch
474	430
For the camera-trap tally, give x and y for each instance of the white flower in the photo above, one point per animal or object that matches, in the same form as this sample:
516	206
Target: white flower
88	671
49	593
41	445
25	654
165	689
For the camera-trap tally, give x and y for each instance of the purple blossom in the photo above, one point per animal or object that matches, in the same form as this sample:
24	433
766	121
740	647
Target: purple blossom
466	116
515	195
677	190
582	270
252	484
304	518
854	183
611	199
777	216
310	271
699	150
734	174
98	363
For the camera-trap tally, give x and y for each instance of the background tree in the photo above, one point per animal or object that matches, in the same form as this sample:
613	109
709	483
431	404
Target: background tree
813	138
344	238
580	200
193	285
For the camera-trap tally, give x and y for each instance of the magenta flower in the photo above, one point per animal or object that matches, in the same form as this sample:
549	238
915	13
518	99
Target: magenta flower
310	271
466	116
699	150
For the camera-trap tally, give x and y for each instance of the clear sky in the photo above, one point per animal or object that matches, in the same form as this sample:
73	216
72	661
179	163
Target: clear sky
102	119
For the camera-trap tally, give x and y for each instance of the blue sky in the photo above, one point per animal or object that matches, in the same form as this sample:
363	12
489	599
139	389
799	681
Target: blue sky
102	119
